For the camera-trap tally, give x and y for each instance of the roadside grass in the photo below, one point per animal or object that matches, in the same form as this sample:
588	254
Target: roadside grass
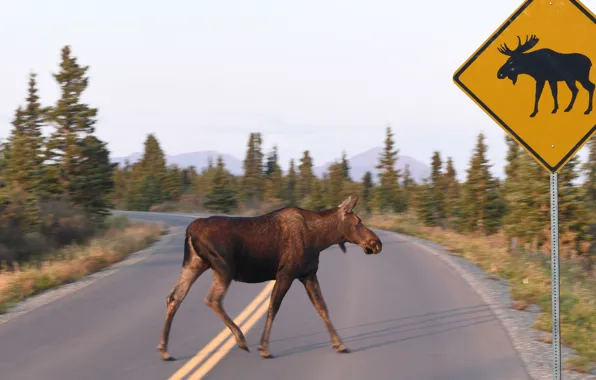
529	276
74	262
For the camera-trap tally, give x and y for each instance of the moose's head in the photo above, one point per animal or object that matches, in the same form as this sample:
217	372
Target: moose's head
516	64
353	231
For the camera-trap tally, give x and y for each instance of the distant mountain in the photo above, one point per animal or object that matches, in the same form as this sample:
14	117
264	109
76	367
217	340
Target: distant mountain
199	159
359	164
368	160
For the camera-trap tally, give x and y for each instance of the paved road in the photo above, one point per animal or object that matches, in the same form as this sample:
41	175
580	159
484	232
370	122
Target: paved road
404	314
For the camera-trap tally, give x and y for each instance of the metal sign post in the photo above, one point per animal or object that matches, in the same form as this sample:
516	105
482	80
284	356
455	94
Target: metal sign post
506	77
554	231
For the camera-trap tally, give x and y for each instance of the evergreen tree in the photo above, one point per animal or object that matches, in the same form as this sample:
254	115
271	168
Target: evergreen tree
272	164
222	197
290	196
573	215
173	183
387	191
482	208
345	167
153	161
305	177
252	182
336	182
452	193
25	167
589	168
367	191
528	203
316	199
73	120
426	209
274	179
437	188
93	178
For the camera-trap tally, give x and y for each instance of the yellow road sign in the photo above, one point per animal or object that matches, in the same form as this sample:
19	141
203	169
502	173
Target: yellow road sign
535	76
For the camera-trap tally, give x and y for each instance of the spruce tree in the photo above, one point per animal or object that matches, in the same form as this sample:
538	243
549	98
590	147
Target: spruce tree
93	178
252	181
173	183
336	183
316	199
452	193
437	188
528	203
573	215
73	120
271	165
387	191
25	167
346	167
589	168
222	197
153	161
305	177
367	191
482	206
290	196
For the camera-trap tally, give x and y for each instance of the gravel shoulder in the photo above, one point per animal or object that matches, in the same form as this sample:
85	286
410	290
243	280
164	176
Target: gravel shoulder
536	355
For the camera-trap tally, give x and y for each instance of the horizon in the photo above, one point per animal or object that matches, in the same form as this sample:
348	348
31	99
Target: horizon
214	73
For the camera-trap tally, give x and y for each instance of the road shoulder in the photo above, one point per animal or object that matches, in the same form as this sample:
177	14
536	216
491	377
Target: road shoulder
49	296
535	354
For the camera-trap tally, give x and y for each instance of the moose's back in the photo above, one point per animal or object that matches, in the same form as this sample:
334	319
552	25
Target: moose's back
251	247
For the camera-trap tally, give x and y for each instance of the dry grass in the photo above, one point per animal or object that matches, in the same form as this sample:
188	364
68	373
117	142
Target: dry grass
529	276
74	262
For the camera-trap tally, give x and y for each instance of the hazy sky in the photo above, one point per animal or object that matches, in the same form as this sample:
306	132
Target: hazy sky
319	75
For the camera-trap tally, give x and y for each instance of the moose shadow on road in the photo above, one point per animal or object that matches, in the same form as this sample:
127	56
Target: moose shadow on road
398	330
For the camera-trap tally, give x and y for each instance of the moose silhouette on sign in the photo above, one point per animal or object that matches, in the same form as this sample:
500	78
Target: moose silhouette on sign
546	65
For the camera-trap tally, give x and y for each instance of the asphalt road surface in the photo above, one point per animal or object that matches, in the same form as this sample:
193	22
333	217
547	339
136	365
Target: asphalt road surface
404	314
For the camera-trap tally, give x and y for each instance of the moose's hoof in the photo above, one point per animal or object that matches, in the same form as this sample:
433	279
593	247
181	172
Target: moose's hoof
342	349
165	356
533	114
587	112
243	346
555	110
567	109
265	353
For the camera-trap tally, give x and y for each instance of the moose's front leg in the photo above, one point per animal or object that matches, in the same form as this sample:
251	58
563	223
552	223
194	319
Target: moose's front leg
281	287
313	289
539	88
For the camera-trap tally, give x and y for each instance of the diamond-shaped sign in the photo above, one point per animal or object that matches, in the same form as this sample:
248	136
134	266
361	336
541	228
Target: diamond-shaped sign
535	76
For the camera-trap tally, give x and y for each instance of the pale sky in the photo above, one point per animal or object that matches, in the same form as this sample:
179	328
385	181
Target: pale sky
319	75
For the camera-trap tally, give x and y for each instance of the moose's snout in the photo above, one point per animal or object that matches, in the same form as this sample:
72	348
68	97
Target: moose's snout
373	246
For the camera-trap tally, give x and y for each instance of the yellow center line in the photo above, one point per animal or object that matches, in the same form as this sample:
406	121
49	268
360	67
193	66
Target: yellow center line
228	345
225	333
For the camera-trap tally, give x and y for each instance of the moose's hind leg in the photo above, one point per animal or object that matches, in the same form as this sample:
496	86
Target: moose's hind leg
589	86
281	287
574	91
190	272
214	300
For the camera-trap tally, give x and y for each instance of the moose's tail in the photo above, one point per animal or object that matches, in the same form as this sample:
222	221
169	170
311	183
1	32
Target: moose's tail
187	248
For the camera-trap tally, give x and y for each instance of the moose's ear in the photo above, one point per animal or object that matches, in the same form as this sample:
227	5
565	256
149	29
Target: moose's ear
348	205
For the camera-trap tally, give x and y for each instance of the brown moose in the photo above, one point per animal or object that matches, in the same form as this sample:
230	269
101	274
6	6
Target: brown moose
283	245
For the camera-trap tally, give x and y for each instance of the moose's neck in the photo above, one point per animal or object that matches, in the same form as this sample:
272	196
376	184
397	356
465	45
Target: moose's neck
324	231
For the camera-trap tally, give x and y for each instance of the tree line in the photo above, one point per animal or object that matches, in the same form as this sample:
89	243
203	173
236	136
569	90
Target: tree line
517	206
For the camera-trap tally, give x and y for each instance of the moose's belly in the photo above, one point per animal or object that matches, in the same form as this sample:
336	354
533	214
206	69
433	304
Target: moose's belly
254	271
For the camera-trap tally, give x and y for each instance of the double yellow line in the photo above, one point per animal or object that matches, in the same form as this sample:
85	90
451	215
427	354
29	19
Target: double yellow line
256	309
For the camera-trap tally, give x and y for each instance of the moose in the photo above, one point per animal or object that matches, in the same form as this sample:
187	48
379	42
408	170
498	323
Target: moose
282	245
546	65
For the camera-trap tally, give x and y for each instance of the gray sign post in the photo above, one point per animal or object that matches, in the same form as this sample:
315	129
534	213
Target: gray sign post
554	231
